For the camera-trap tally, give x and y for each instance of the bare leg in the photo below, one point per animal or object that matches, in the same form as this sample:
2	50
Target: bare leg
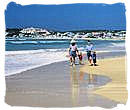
70	60
90	61
73	60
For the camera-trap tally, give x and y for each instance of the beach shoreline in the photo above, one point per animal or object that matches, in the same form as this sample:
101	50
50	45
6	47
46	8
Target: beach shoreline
100	55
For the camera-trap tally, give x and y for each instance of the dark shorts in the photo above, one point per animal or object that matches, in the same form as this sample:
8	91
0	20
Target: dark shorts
94	60
89	54
73	53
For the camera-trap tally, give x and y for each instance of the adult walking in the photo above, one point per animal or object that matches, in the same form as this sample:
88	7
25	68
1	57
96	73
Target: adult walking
89	49
73	51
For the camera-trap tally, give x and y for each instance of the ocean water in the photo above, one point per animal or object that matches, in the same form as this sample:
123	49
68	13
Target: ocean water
22	55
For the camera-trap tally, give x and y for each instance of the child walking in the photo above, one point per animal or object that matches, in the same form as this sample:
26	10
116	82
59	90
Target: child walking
80	58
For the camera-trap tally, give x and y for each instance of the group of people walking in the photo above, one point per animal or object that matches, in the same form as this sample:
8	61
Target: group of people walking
74	52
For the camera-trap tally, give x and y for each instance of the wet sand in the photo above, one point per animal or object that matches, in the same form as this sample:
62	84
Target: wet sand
57	85
114	68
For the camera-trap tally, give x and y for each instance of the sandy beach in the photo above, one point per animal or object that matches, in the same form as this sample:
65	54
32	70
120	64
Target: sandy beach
114	68
56	85
59	85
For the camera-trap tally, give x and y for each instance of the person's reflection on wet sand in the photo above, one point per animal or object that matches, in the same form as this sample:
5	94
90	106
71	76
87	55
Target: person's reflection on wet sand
81	75
75	86
91	80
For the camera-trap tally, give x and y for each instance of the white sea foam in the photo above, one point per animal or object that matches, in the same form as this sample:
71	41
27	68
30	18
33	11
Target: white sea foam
18	61
121	44
23	42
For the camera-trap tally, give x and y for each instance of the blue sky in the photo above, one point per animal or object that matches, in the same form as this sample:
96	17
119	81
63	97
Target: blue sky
67	17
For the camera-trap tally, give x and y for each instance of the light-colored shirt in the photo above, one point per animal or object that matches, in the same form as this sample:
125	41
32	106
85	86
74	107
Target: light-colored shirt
89	47
73	48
